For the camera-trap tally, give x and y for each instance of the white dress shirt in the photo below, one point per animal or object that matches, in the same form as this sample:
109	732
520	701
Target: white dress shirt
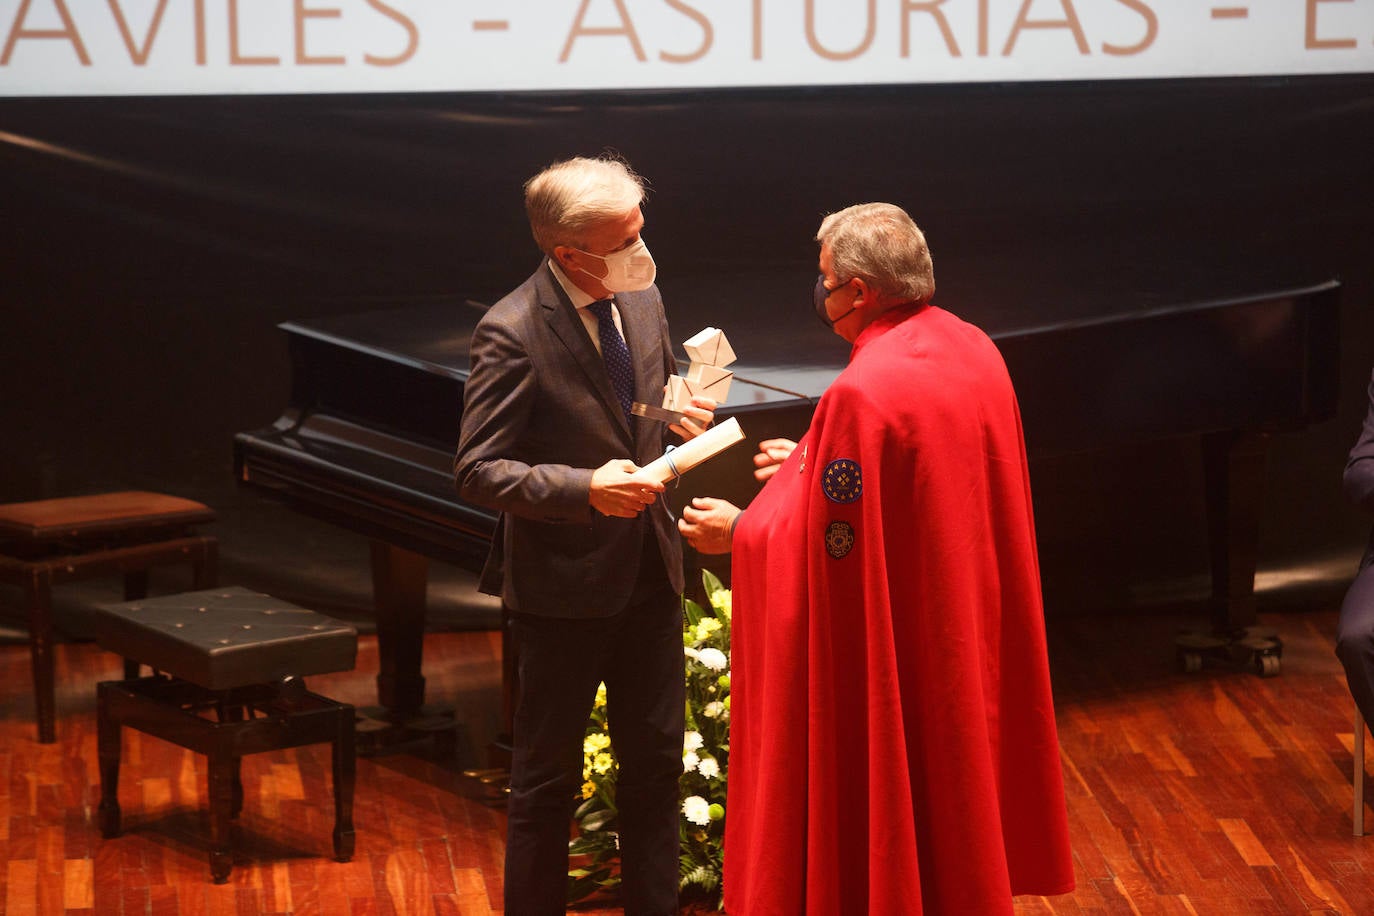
580	300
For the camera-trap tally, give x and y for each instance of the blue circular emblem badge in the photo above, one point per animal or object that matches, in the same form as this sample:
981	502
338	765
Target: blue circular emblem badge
842	481
839	539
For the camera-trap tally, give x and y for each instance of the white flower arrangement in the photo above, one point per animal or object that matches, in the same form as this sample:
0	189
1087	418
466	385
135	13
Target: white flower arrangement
714	659
697	810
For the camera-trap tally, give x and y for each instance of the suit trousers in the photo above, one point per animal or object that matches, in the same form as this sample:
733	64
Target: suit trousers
638	654
1355	640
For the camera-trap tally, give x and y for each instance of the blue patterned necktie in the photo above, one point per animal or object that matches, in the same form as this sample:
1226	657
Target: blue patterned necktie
615	353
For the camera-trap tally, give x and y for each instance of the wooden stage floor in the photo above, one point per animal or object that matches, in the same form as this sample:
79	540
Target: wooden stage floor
1210	793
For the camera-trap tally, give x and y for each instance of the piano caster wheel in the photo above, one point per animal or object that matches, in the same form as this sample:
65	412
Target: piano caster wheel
1193	647
1265	648
1256	647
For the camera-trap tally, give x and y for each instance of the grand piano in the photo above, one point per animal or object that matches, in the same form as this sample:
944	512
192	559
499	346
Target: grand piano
366	441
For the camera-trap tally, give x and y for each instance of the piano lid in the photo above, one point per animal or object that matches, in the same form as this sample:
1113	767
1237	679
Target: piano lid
776	365
1246	349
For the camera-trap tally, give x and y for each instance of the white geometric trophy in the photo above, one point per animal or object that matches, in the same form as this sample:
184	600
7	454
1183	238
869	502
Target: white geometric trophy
706	376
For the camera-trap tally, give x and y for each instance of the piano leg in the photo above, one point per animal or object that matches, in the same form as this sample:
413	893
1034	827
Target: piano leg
399	581
1234	469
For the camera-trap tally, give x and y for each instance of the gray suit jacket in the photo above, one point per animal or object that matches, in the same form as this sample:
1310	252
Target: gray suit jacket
539	415
1359	473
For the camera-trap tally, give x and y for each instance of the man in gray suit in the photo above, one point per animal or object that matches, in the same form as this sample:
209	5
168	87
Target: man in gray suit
586	555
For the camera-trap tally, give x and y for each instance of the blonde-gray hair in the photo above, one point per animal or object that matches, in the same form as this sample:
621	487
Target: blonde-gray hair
883	245
568	197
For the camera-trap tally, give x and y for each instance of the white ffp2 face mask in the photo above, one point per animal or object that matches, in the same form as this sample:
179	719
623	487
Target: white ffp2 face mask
627	271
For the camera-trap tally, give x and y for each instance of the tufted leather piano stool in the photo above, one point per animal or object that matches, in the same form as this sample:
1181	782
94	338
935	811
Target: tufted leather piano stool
228	680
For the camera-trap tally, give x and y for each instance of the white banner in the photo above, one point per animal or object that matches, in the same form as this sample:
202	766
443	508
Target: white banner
177	47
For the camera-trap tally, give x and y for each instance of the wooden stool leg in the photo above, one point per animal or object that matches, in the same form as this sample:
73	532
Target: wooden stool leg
205	565
237	807
234	713
135	585
135	589
344	755
221	791
39	589
107	752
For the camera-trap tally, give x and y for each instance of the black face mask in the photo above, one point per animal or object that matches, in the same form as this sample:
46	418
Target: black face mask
820	294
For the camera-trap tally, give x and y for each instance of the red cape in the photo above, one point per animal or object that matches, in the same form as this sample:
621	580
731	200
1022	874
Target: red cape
893	746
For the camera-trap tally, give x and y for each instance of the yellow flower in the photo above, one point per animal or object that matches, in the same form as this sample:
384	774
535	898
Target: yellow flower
597	741
602	763
600	696
721	600
588	789
706	627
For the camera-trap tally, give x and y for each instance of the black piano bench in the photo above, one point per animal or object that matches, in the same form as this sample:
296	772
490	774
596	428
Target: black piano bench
51	541
228	665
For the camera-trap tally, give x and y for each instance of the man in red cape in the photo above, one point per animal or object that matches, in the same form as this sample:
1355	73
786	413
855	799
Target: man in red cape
893	746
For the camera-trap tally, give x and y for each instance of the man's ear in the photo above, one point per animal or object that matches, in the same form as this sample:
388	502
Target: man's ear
563	255
864	294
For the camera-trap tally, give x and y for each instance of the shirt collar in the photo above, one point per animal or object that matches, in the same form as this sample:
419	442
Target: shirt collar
580	298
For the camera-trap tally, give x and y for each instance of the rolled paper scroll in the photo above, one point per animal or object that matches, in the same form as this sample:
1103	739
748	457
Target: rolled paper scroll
678	461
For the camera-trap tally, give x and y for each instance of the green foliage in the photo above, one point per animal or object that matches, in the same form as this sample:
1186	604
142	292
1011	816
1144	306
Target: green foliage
705	759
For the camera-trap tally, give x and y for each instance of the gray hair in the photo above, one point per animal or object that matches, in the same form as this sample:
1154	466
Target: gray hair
568	197
883	245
